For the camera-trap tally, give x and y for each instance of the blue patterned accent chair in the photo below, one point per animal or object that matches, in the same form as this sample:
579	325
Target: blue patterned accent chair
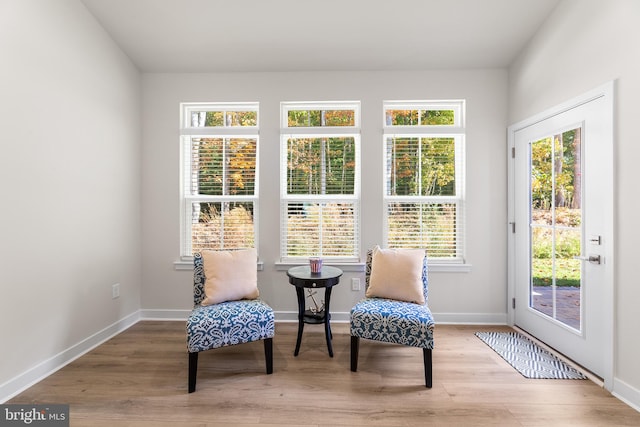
392	321
225	324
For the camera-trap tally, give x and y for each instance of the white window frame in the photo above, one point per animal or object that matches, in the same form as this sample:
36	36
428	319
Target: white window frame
187	132
287	132
457	132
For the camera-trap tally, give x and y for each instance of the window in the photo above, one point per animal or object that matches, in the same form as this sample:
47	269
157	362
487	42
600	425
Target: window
424	182
320	181
219	176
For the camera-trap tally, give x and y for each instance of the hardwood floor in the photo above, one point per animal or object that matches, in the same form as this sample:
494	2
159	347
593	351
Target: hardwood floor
139	378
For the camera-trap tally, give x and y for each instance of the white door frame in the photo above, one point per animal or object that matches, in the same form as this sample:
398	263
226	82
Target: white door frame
607	91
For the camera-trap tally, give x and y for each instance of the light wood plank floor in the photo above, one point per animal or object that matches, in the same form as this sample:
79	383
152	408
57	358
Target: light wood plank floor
139	378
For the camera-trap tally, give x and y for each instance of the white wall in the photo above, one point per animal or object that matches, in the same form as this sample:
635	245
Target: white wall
69	185
584	44
476	296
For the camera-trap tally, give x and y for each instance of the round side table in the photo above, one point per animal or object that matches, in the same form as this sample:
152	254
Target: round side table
301	277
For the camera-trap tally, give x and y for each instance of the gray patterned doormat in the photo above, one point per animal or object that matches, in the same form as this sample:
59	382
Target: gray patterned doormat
527	357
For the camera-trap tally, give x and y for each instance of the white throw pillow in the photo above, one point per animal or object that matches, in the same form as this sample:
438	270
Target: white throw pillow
230	275
397	274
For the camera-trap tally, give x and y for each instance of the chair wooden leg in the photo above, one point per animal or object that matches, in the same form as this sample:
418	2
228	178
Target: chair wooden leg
355	346
193	369
426	355
268	354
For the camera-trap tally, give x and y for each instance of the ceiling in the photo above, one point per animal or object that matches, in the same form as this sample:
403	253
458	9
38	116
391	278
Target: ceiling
321	35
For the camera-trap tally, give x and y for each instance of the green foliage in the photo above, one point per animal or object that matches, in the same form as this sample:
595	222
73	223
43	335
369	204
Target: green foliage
231	118
437	117
319	118
567	245
422	166
555	171
567	272
225	166
402	117
420	117
321	165
557	266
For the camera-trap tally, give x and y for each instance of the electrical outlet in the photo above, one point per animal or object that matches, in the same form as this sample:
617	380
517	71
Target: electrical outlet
115	291
355	283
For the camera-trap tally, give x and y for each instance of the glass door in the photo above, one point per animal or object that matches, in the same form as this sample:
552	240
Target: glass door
561	249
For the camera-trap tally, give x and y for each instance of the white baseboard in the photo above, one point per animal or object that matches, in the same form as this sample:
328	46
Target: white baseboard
181	315
32	376
628	394
470	318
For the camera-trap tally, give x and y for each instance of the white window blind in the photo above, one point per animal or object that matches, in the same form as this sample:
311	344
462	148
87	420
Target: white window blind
320	186
219	176
424	188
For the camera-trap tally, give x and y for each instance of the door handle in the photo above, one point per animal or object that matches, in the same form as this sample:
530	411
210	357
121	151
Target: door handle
594	259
